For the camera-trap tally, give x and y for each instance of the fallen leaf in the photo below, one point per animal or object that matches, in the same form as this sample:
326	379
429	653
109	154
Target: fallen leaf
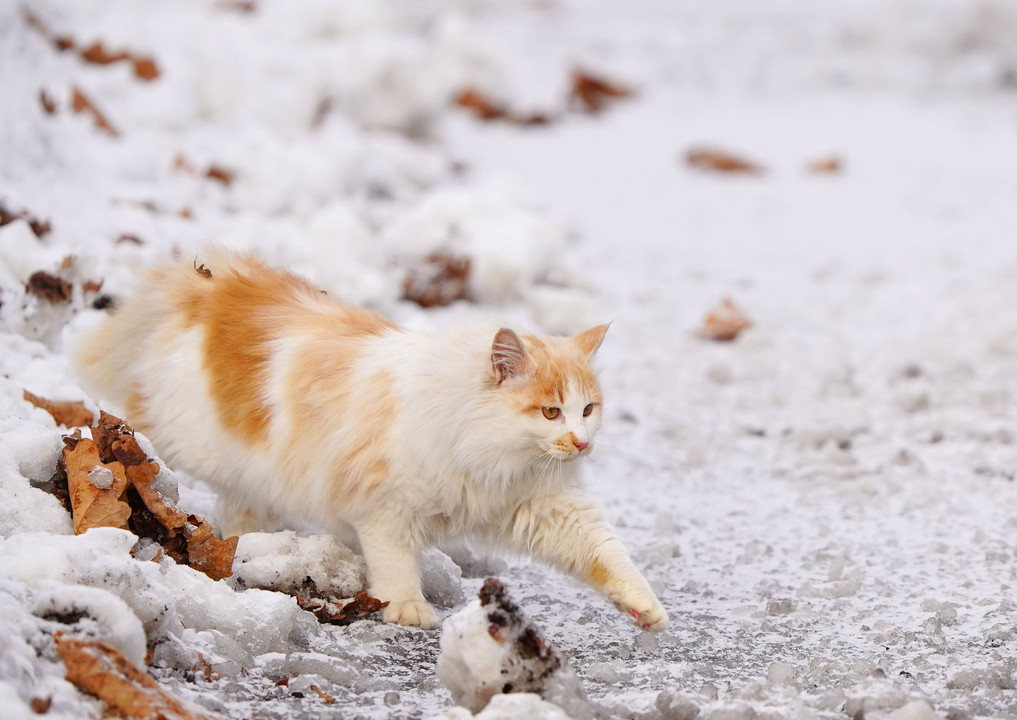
106	431
825	166
325	697
439	280
358	608
49	287
186	538
219	174
40	228
486	109
206	552
97	54
41	706
80	103
720	161
47	103
69	413
202	270
480	105
145	68
93	505
591	94
102	671
724	322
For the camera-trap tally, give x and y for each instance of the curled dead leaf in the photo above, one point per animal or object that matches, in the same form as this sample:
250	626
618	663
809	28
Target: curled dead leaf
825	166
358	608
40	228
439	280
488	110
69	413
591	93
711	159
115	452
100	670
80	103
724	322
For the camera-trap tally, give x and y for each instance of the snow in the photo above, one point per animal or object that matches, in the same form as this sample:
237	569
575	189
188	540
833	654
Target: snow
826	505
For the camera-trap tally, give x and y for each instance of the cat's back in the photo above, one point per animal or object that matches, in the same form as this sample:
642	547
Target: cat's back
205	332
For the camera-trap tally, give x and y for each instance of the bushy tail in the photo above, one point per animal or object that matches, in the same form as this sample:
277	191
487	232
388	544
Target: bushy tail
110	358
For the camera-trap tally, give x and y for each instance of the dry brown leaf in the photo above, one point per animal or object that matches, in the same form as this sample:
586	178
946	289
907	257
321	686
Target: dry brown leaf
69	413
188	539
720	161
358	608
591	94
49	287
220	174
439	280
325	697
206	552
80	103
47	103
202	270
97	54
825	166
486	109
479	105
41	706
40	228
101	670
724	322
106	431
91	505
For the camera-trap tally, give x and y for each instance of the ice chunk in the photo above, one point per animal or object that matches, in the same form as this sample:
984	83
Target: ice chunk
114	621
490	648
672	705
915	710
441	578
316	565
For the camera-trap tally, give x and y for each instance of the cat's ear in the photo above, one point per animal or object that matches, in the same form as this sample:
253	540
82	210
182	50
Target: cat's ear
508	357
589	340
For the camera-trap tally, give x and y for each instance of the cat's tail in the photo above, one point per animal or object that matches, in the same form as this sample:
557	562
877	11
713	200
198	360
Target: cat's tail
111	357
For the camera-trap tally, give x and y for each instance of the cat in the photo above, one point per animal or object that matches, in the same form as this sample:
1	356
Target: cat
296	406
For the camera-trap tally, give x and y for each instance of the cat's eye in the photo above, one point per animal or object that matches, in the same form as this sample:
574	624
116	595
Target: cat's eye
588	410
551	412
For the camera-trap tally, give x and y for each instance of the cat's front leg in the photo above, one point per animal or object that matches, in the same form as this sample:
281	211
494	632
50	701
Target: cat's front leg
393	574
567	531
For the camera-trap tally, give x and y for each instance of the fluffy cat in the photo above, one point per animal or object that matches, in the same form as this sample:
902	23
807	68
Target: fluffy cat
297	406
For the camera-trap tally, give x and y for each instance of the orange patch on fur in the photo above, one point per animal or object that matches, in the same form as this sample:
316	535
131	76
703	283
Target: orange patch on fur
556	364
598	575
242	308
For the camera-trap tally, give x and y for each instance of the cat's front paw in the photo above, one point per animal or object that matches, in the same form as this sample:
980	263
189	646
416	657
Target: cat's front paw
646	611
416	613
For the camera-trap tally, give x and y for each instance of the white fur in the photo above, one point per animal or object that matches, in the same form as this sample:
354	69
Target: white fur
460	461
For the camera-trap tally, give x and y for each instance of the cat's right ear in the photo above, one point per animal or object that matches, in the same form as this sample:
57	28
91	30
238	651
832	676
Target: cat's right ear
508	357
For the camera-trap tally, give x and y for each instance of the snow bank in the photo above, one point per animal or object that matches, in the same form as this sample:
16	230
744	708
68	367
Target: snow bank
490	648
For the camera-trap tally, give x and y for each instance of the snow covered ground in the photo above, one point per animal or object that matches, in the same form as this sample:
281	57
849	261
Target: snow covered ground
826	506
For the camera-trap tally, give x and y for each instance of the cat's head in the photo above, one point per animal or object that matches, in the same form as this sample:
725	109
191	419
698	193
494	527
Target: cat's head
550	386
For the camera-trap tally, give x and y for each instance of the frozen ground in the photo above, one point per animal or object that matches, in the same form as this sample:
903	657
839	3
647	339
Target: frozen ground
827	505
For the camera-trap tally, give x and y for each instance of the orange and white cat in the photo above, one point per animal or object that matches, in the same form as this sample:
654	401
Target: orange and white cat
298	407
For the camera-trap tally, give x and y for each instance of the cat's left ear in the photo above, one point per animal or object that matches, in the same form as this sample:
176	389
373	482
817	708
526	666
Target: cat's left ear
589	340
